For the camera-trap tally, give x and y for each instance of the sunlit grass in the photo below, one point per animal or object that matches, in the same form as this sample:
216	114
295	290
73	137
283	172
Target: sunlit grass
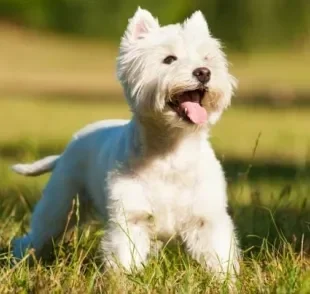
271	214
49	125
77	271
36	62
44	120
271	220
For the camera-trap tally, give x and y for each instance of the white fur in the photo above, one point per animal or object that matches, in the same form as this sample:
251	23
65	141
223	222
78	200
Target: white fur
156	176
34	169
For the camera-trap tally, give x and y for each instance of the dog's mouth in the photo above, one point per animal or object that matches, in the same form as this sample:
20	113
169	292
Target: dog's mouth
188	106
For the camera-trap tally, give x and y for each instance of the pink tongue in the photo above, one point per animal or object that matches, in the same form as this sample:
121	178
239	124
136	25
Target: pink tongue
196	113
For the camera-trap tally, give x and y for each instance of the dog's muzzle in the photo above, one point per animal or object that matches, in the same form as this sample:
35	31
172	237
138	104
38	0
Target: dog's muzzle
188	106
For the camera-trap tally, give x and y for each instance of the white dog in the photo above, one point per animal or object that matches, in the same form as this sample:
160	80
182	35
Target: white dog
156	176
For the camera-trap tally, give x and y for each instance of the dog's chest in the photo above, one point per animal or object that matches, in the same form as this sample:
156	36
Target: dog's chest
171	189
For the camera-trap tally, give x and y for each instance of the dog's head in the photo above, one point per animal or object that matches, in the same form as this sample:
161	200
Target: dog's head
175	74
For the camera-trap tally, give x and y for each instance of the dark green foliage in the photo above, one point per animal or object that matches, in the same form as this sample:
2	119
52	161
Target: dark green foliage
243	25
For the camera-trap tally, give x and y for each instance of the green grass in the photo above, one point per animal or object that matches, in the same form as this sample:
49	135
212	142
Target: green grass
273	226
49	124
268	193
76	271
268	189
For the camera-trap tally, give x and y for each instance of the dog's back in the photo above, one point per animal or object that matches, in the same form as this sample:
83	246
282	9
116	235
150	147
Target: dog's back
48	163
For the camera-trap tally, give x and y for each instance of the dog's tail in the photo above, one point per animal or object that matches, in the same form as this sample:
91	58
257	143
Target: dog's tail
36	168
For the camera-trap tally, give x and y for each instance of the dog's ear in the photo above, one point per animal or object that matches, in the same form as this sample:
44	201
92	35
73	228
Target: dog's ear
196	23
141	23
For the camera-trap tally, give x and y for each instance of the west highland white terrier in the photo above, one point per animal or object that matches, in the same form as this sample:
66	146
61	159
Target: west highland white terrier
156	176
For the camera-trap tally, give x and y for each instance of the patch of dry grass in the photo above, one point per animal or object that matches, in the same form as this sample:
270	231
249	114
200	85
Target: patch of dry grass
36	63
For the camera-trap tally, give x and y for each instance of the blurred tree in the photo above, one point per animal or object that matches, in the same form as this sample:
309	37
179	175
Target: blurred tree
242	24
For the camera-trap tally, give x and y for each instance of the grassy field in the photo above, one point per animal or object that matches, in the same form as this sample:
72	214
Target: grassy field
51	86
49	123
268	192
37	63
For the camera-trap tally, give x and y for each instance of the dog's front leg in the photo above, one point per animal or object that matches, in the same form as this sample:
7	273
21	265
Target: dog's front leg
126	245
127	240
213	244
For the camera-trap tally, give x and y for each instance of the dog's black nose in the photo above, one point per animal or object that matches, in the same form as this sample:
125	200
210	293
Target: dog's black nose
202	74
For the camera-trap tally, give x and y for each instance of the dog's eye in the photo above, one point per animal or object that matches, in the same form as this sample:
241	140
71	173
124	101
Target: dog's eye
169	59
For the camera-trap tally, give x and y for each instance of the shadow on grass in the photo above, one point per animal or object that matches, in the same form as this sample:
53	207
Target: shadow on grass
297	98
277	226
255	220
264	170
286	217
234	168
255	223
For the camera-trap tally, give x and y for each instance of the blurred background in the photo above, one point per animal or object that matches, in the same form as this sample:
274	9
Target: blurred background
57	73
